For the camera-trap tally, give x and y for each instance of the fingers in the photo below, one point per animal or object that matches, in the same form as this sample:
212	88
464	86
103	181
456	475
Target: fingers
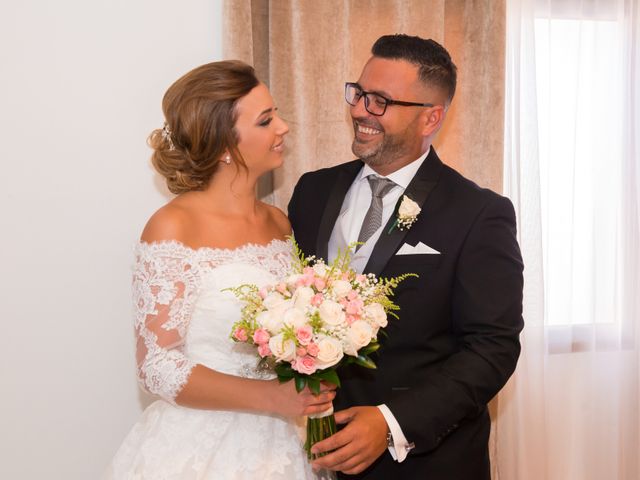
326	386
344	416
357	445
316	409
312	399
344	455
334	442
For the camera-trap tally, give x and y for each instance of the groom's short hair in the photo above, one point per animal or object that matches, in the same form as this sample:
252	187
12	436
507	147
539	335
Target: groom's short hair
434	63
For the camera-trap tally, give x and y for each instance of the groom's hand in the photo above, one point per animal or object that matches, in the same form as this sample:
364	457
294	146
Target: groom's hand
357	445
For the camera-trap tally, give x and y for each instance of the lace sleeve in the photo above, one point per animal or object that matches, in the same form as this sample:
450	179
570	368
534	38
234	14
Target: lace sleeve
164	286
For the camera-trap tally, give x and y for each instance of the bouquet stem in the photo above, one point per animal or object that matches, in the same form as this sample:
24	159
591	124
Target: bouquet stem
319	428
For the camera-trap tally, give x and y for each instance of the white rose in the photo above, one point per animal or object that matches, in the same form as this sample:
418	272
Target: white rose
320	269
293	279
376	314
359	335
281	349
269	320
302	297
331	313
341	288
273	300
408	208
295	317
329	352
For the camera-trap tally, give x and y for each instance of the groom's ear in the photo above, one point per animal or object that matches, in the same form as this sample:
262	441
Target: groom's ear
432	119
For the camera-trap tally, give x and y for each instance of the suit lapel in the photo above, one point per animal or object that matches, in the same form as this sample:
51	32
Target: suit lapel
418	190
345	177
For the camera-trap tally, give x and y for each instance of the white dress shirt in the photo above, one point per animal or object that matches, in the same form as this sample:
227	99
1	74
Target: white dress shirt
346	231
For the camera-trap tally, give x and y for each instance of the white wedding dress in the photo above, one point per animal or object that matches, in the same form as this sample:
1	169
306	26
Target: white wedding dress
183	318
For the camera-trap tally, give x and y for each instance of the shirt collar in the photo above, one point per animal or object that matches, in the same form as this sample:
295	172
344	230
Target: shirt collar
400	177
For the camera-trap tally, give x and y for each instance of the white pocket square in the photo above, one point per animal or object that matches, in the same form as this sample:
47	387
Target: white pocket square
419	249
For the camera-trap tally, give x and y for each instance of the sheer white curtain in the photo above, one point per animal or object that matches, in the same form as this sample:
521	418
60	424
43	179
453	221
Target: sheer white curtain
572	169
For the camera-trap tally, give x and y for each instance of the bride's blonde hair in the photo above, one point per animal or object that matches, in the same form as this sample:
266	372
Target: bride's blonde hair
200	112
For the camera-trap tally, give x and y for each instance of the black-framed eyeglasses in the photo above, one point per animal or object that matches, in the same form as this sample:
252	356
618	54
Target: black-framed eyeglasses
374	103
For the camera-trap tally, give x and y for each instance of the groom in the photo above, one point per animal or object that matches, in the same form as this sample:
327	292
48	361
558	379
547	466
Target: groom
423	412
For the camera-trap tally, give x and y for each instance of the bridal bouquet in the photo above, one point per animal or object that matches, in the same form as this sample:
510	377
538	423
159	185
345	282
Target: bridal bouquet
317	318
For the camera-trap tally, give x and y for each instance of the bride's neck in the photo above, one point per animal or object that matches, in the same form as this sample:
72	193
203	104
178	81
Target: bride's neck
230	194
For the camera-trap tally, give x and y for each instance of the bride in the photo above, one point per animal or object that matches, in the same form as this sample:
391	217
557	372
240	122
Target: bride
218	416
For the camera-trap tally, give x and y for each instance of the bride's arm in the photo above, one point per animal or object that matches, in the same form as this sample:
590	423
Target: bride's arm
209	389
164	289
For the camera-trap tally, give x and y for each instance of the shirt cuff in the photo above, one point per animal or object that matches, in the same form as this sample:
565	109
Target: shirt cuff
401	445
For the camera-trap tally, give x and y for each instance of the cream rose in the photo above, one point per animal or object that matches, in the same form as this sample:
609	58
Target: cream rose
341	288
302	297
359	335
270	321
408	208
376	314
329	351
295	317
281	349
273	300
293	279
331	313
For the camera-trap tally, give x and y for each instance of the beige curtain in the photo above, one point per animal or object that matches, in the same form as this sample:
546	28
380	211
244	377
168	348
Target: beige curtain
306	49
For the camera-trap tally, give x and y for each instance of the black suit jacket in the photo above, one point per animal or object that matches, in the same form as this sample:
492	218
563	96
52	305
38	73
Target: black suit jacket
457	340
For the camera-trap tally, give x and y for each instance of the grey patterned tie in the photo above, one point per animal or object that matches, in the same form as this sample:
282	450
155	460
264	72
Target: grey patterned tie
373	219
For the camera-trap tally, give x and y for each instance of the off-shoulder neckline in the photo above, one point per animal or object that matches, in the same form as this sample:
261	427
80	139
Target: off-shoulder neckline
239	248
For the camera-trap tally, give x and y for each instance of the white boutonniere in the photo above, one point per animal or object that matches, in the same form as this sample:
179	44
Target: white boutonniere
407	214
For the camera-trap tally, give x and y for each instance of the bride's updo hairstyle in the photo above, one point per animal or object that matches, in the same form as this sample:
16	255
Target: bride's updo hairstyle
200	112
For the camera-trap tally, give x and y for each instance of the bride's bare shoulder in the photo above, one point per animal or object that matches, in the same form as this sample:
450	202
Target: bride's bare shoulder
279	219
168	223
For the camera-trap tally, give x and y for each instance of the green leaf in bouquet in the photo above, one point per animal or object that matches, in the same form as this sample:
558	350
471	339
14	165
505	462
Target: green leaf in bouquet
301	382
372	347
314	384
284	371
329	375
365	361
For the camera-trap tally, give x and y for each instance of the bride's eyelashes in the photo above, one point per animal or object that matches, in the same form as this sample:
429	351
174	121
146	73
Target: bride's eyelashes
265	122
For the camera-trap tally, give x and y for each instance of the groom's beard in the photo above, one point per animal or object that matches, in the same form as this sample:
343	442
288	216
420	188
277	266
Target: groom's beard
387	150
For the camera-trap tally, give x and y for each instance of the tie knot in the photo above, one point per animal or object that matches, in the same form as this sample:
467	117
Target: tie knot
380	186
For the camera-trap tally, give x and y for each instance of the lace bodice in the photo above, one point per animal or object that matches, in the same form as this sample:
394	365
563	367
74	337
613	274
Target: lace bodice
182	315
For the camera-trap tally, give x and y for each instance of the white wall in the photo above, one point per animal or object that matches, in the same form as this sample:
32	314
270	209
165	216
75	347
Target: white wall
81	83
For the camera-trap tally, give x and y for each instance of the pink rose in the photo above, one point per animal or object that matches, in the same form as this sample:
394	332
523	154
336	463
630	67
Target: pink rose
354	307
317	299
312	349
264	350
261	336
304	335
263	292
282	288
301	351
305	365
361	279
352	318
320	284
240	334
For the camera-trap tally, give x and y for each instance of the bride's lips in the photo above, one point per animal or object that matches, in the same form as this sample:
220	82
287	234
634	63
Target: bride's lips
278	147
